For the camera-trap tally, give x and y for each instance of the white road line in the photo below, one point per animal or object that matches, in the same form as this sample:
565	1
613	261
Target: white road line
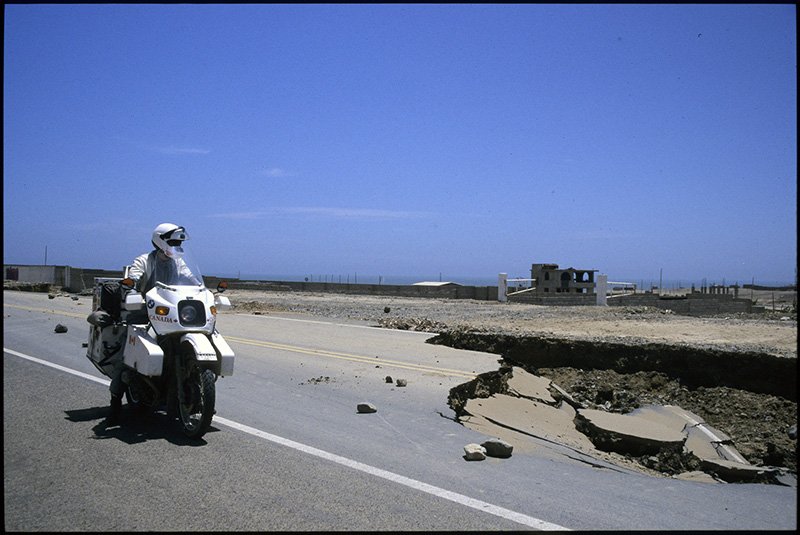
58	367
391	476
344	461
714	438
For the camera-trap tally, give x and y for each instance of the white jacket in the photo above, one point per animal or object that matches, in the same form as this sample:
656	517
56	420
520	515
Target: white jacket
144	265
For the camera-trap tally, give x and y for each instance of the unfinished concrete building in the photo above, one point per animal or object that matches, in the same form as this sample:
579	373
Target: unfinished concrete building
551	285
549	279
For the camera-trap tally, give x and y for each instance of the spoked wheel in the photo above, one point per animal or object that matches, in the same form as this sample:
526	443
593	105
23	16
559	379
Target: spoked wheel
197	408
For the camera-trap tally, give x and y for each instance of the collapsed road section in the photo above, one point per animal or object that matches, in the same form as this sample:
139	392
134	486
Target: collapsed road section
681	411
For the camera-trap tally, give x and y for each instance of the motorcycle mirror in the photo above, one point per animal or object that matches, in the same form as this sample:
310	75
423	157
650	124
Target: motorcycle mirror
128	282
222	286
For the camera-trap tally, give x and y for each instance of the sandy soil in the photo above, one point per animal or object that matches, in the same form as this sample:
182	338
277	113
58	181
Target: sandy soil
769	332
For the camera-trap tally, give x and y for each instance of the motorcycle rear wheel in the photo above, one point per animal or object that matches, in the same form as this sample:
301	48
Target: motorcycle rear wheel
197	410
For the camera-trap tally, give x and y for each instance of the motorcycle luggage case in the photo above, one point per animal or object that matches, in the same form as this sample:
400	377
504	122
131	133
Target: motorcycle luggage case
105	347
105	341
142	353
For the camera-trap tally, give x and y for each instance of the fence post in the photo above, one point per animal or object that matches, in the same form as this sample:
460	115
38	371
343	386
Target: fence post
602	290
502	287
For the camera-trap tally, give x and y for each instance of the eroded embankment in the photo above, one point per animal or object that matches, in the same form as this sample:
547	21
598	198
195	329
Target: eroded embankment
694	367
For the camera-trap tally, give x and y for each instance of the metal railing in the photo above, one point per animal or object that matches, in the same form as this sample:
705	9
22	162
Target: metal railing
628	288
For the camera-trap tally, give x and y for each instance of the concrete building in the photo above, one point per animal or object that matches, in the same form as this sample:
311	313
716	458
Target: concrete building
549	279
67	277
551	285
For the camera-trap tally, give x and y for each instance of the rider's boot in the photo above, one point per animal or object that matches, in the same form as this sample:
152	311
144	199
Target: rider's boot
115	415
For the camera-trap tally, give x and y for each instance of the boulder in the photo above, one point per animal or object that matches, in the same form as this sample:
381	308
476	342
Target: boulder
365	407
474	452
496	447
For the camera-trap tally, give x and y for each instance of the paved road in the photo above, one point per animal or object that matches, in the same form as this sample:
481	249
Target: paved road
288	451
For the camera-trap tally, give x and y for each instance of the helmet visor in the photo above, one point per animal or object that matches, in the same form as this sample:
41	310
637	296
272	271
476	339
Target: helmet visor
178	233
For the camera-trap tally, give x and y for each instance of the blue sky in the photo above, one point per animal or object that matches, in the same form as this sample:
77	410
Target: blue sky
460	139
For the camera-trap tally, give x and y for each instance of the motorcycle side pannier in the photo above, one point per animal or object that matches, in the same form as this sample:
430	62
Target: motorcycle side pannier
106	340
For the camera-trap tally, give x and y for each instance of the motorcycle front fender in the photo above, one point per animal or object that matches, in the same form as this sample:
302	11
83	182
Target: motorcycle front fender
203	349
213	352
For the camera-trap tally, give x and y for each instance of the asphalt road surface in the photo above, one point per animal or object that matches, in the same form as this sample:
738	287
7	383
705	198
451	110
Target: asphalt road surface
288	451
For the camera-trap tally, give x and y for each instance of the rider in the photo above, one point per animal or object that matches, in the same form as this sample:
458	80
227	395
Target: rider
167	241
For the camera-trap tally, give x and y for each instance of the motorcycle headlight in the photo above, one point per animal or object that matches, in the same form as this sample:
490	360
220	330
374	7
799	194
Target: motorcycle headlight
192	313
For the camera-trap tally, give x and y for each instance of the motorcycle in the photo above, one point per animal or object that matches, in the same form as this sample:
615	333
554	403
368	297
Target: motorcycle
167	340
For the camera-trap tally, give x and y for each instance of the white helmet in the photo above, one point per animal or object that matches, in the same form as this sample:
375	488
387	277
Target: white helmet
169	238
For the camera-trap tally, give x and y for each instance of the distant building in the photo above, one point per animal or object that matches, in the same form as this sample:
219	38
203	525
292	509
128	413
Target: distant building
551	285
548	279
435	283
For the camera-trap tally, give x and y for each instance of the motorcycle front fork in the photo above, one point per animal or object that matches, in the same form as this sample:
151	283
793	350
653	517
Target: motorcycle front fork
184	369
180	378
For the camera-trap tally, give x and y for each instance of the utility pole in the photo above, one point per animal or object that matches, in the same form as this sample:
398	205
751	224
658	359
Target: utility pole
45	255
660	279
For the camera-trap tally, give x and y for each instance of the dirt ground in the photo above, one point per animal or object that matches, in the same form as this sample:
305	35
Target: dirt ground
758	424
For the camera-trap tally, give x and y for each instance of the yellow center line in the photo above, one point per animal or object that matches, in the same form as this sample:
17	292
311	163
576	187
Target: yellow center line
297	349
354	358
46	311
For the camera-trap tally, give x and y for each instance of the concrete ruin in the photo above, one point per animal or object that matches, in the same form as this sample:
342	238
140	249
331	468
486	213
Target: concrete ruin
696	303
551	285
549	279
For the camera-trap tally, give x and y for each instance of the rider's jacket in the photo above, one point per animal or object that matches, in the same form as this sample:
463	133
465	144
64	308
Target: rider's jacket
150	267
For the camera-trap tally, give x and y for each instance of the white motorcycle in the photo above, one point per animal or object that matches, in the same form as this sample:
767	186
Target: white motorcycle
167	340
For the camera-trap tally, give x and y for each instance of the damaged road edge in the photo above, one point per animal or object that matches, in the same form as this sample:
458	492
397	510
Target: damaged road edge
665	439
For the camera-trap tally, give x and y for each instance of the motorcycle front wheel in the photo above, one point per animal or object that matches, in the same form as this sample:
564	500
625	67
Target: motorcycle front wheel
197	409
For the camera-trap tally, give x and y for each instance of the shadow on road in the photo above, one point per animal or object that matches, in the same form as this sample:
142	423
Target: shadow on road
135	427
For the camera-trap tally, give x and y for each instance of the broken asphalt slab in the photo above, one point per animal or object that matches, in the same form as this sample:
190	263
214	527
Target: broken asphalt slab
525	406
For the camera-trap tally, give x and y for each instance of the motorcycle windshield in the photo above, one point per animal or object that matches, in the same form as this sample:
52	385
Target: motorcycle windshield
181	271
